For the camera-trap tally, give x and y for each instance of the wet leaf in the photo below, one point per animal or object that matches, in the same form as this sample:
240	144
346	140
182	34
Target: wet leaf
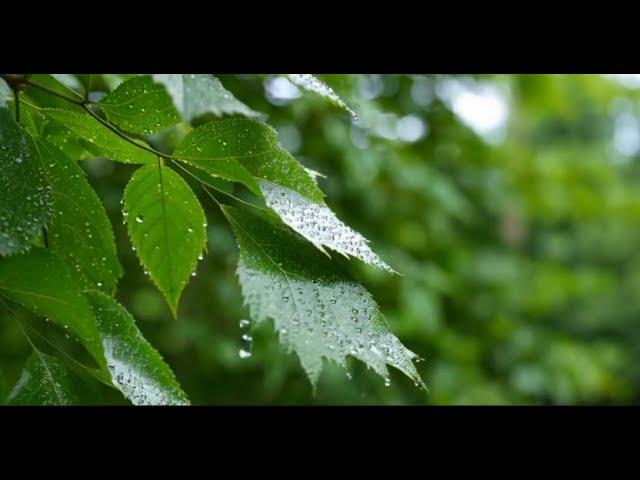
318	311
25	199
140	106
166	225
136	368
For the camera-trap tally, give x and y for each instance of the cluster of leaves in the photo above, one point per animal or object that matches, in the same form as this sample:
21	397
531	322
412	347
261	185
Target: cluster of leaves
58	255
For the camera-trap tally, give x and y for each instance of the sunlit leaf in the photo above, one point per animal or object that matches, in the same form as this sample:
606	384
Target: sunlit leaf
317	86
318	311
136	368
198	94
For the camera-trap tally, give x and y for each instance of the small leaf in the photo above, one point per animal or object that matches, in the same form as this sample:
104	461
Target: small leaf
313	84
99	139
45	380
238	149
40	281
79	230
317	310
167	227
195	95
140	106
137	369
25	199
5	93
318	224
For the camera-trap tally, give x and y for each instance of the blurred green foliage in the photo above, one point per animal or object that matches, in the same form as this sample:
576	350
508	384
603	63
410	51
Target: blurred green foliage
510	203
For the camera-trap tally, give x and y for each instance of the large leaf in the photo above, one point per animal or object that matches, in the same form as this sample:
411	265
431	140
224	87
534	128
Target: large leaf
141	106
198	94
79	230
45	380
99	139
313	84
239	149
167	227
25	199
40	281
288	188
137	369
318	311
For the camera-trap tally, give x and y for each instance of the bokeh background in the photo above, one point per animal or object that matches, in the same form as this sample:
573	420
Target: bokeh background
510	203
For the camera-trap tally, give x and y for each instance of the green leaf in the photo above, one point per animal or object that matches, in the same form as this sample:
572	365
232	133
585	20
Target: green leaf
45	380
99	139
141	106
79	230
137	369
25	199
313	84
195	95
317	310
287	187
238	149
167	227
318	224
46	99
40	281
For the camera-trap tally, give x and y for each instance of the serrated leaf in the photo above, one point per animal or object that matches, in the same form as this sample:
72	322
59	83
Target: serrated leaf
40	281
45	380
140	106
136	368
313	84
318	224
198	94
238	149
166	225
25	199
318	311
99	139
79	230
288	187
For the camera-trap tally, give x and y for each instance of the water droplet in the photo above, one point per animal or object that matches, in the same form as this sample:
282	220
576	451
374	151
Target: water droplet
140	218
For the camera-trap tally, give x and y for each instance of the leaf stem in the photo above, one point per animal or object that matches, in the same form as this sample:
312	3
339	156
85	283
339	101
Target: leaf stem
16	96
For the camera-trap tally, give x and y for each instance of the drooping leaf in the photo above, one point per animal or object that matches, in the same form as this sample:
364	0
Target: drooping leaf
315	85
167	227
45	380
198	94
238	149
25	199
45	99
40	281
137	369
141	106
99	139
318	224
318	311
288	187
79	230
